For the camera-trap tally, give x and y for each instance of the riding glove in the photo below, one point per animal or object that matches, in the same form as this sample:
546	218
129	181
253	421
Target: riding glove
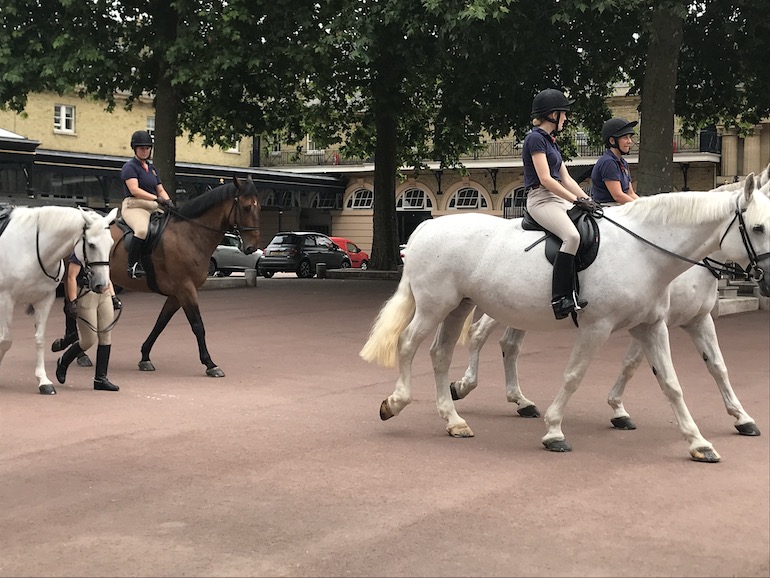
116	304
588	205
71	309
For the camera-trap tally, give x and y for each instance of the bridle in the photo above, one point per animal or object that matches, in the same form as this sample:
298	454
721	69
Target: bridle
752	271
235	207
60	273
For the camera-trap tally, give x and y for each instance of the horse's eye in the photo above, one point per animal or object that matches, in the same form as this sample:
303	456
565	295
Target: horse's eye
759	229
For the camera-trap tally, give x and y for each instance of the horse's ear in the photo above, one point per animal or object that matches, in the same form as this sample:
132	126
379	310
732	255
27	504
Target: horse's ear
111	216
237	183
748	186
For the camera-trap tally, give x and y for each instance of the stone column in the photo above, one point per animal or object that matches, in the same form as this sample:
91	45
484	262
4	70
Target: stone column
729	153
751	149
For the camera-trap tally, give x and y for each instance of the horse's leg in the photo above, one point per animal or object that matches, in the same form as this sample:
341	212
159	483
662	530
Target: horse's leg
588	341
41	310
510	344
480	332
704	336
654	339
193	313
441	355
408	342
631	361
170	307
6	318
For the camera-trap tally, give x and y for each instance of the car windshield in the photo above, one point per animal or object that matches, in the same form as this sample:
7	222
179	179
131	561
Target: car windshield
284	240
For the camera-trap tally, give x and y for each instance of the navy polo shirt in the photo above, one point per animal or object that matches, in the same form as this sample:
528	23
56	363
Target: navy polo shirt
539	141
148	179
609	168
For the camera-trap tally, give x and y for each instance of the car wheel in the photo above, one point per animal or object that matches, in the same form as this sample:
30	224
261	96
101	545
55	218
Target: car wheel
212	267
364	265
304	270
268	274
345	264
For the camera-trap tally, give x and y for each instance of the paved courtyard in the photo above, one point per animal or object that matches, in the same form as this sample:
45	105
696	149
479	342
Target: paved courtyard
283	467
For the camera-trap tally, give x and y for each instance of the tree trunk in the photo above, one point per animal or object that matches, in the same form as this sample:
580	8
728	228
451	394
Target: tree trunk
166	112
384	243
657	110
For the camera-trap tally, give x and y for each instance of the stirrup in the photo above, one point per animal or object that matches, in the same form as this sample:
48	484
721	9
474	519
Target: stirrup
136	271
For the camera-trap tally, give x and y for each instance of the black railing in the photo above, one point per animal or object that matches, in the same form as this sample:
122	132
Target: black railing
706	141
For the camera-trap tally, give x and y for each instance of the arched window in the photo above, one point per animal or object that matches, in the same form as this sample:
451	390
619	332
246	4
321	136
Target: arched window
467	198
413	200
514	203
286	199
326	200
361	199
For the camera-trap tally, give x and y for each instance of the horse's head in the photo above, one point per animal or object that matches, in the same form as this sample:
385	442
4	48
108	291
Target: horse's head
93	248
747	239
244	217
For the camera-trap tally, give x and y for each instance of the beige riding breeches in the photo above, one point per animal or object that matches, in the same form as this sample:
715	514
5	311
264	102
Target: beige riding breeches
94	311
136	213
550	211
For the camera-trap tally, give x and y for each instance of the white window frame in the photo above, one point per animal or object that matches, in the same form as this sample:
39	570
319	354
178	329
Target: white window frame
361	200
460	200
151	126
414	199
311	148
235	149
64	118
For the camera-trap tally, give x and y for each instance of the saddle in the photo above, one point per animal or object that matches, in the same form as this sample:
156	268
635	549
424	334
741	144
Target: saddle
5	216
158	222
589	237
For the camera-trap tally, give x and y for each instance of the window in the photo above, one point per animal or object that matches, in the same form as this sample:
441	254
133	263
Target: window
151	126
312	147
284	199
236	148
326	200
64	118
467	198
413	200
275	144
361	199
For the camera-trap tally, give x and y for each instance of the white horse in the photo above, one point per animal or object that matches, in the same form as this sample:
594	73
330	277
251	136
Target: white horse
456	262
691	299
32	249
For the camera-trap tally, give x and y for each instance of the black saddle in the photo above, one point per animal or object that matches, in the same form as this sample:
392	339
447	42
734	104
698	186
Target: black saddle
158	222
589	237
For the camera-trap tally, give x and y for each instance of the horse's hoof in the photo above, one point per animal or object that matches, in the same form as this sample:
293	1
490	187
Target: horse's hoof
557	446
708	455
385	412
215	372
146	366
453	391
528	411
460	431
623	423
47	389
748	429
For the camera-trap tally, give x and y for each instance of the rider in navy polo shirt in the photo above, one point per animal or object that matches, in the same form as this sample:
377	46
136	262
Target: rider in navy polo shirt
610	177
144	194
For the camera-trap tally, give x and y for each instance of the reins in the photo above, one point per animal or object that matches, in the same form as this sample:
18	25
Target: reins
235	226
716	268
60	274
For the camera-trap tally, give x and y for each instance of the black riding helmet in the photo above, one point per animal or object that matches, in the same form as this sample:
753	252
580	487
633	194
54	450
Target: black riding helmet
616	127
548	101
141	138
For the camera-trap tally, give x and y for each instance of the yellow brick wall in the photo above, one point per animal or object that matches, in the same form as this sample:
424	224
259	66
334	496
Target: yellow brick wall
101	132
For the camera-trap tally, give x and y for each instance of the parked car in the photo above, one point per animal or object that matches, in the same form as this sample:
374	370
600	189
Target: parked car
300	252
228	257
358	258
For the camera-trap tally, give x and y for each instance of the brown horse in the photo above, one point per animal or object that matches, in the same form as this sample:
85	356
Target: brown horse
180	260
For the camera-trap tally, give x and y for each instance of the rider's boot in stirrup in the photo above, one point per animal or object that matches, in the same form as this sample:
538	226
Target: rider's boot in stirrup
564	298
135	269
102	363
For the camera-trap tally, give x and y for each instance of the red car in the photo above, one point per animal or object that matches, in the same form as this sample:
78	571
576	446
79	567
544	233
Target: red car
357	257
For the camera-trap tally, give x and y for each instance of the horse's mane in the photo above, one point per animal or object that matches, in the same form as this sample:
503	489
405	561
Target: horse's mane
51	216
199	205
693	207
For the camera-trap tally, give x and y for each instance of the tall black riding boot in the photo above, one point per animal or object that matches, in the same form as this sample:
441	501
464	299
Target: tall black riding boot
70	332
102	363
564	299
64	361
135	268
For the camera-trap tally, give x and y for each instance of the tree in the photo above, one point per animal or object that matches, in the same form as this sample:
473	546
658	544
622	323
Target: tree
195	57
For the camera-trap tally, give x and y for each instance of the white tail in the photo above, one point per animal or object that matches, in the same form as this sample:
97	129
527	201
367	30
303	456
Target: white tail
391	321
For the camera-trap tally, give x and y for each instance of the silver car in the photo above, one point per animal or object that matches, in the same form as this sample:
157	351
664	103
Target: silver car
228	257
